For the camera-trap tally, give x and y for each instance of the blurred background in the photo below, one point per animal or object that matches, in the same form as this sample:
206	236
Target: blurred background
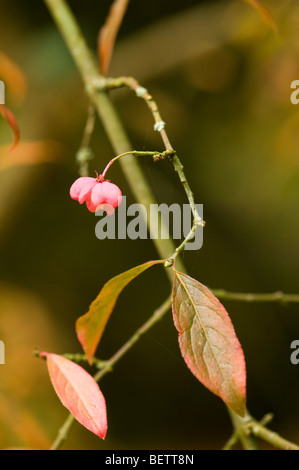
221	77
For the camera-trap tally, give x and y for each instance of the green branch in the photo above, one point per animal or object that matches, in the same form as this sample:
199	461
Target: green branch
247	428
260	431
138	153
241	433
249	297
85	154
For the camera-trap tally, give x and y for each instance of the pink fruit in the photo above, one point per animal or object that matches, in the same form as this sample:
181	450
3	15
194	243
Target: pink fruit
97	193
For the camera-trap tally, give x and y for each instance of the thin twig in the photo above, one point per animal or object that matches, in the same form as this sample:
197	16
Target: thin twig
232	441
89	126
137	153
159	126
256	297
271	437
98	363
141	92
247	428
85	154
244	436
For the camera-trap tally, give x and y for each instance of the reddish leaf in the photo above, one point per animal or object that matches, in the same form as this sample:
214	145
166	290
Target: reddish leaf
78	392
264	12
208	341
109	32
90	326
11	121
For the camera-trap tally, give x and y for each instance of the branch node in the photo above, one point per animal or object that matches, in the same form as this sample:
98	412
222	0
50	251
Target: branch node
168	263
159	126
84	155
140	91
95	84
200	222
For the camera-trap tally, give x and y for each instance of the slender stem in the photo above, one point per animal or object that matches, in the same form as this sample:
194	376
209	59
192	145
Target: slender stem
250	297
110	363
98	363
141	92
89	127
136	153
233	440
245	429
63	433
180	171
260	431
179	168
170	261
85	154
155	317
247	440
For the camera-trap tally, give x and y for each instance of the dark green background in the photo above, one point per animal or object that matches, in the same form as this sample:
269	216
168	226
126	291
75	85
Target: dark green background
229	116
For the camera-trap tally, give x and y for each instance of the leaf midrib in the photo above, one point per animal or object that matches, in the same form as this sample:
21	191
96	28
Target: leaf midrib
204	329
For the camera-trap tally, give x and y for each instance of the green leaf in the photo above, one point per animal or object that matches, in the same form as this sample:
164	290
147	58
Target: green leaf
90	326
208	341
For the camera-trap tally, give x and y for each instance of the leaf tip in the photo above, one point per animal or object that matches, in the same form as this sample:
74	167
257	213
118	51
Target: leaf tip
12	122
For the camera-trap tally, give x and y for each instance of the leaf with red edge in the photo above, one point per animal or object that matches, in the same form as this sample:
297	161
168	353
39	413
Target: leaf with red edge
108	33
208	341
11	121
78	392
90	326
264	12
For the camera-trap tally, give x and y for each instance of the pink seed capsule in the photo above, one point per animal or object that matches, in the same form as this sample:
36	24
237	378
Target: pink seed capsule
97	193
